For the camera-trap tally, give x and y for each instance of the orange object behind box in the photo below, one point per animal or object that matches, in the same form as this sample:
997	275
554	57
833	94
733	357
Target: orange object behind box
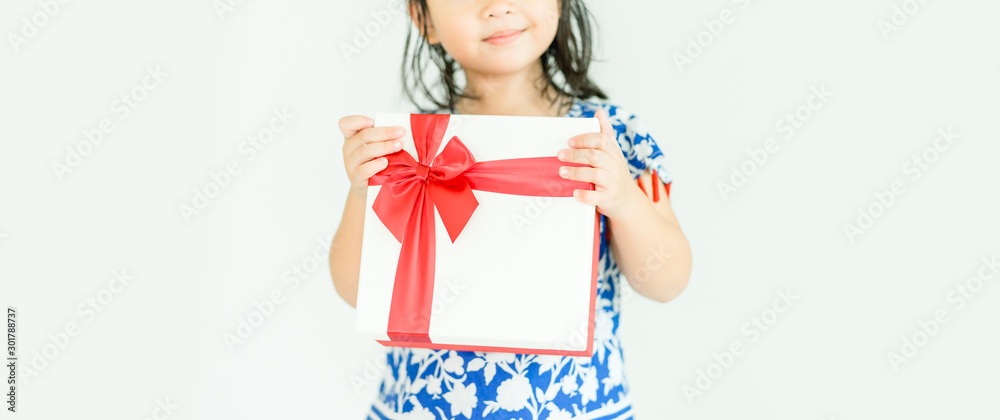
472	240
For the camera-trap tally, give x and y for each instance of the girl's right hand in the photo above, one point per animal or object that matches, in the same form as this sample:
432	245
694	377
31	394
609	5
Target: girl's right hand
364	146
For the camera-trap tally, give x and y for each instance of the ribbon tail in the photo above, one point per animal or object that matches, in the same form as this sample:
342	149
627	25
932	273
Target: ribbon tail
413	290
456	202
537	177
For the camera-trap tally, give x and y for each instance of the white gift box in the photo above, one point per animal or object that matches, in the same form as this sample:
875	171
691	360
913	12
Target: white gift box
517	275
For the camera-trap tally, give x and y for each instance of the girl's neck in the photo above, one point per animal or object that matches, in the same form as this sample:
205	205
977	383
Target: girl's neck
512	94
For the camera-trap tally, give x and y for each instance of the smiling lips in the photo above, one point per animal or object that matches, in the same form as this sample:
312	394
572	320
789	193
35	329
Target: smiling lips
504	37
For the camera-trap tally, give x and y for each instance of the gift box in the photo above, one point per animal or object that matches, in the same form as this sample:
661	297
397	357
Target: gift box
472	241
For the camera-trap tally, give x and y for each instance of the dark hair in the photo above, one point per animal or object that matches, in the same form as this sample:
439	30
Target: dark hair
568	56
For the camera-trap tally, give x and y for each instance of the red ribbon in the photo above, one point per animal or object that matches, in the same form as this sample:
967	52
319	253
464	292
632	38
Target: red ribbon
413	189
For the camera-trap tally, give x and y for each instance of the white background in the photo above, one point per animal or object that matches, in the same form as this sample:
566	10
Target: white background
162	337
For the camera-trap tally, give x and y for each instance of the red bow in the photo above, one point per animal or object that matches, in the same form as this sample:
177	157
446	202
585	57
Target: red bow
412	189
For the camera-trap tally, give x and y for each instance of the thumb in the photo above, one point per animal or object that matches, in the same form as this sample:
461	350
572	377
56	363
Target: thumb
606	128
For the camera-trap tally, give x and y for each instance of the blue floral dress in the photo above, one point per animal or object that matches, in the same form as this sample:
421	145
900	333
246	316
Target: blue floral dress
425	384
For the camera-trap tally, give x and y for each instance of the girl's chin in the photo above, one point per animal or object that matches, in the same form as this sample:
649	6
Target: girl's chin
504	64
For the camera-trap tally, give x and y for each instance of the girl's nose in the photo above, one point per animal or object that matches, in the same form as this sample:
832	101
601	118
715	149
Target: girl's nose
498	8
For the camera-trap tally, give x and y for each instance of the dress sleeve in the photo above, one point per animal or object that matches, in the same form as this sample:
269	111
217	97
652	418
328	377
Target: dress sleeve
639	148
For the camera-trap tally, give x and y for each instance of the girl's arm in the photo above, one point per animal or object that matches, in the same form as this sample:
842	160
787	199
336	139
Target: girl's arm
651	250
345	252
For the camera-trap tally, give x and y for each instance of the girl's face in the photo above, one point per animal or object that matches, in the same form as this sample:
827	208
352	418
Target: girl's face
464	28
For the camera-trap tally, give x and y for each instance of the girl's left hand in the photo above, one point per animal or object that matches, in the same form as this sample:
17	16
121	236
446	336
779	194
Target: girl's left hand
614	190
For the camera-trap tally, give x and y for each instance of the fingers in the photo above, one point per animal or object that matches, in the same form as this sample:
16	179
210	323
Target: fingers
606	128
369	151
364	145
368	169
596	176
592	157
604	141
381	133
590	197
371	134
351	124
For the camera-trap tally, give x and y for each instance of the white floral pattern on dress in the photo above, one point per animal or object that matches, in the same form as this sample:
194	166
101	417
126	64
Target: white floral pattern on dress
426	384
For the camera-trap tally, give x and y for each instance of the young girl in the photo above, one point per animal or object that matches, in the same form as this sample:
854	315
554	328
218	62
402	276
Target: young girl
524	58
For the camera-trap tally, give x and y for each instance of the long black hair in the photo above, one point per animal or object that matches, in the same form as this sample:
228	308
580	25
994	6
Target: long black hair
564	64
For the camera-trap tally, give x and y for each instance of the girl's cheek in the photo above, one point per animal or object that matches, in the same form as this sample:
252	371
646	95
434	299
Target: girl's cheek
547	17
